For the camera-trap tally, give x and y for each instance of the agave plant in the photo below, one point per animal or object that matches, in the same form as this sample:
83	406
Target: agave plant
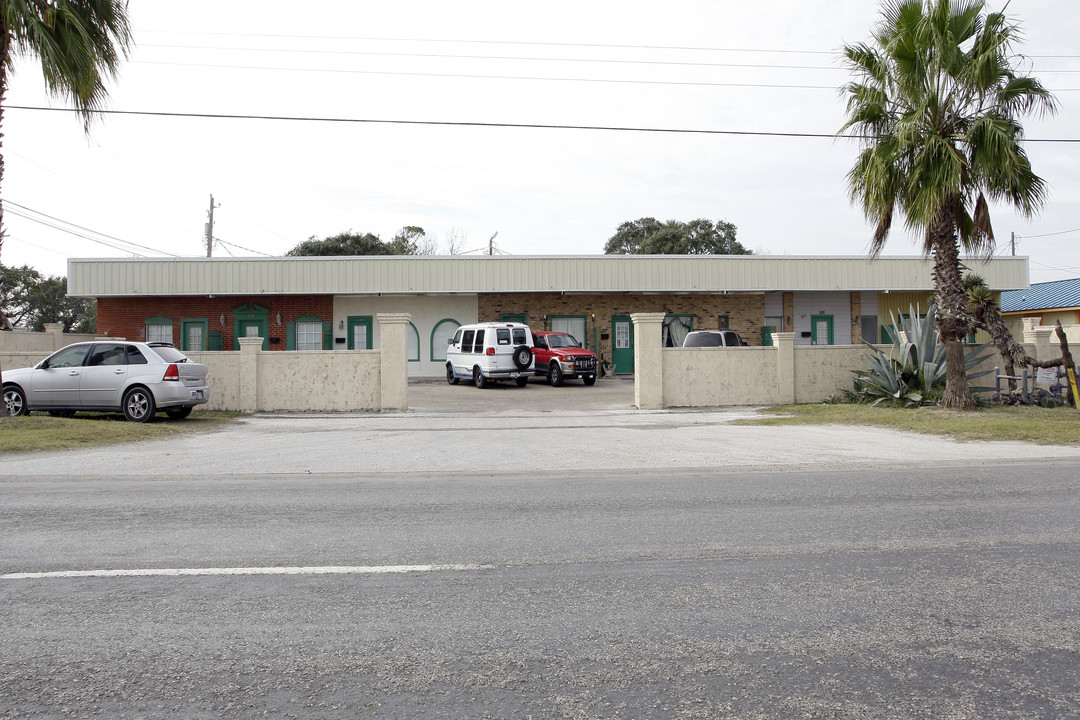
913	372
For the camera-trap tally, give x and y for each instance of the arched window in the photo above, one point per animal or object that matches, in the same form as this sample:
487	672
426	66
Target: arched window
414	344
444	331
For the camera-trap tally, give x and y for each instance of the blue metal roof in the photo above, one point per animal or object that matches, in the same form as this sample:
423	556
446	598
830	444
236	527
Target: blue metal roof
1043	296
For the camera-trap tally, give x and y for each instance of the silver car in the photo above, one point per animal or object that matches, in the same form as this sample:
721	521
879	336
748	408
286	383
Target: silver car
138	379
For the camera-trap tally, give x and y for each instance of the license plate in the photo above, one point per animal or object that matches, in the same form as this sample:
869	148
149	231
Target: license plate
196	394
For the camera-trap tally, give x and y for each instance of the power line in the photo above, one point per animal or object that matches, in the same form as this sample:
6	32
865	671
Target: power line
500	42
526	43
1063	232
468	76
240	247
447	123
533	58
54	224
608	61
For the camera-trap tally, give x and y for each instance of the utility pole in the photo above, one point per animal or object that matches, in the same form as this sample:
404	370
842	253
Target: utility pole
491	244
1013	242
210	227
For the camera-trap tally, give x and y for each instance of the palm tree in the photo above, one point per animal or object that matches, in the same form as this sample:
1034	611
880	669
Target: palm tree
79	44
937	107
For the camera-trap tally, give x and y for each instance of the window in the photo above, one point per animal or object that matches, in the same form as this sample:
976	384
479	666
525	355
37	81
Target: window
440	336
359	332
821	330
622	335
309	335
134	356
676	328
478	343
869	327
414	343
502	336
467	341
570	324
108	355
519	336
193	338
193	334
159	329
71	356
722	322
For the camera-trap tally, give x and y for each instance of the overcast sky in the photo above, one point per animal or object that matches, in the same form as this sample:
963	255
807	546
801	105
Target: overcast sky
141	184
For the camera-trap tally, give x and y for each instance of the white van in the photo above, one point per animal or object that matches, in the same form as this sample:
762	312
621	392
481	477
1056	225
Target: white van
485	352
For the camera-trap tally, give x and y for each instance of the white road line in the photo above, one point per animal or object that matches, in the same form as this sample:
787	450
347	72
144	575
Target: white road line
177	572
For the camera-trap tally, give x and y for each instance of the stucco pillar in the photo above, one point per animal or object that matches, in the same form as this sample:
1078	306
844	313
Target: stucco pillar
57	332
1029	324
250	347
785	367
1047	346
648	360
394	361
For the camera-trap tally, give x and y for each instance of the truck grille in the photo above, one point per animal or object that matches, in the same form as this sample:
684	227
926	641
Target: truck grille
584	364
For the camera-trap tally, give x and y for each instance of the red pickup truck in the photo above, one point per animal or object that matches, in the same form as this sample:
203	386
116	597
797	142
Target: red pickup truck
559	356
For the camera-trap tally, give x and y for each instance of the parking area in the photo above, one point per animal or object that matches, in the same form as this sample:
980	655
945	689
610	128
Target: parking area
613	392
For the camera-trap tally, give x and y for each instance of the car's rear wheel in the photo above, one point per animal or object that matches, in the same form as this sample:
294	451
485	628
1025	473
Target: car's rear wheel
589	379
522	381
450	376
15	401
522	357
478	378
555	375
139	405
178	413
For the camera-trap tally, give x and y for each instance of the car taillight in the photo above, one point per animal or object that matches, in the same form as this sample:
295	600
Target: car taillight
172	373
491	351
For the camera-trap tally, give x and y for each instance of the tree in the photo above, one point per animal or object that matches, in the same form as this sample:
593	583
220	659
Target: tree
79	44
346	243
648	236
937	108
31	300
411	240
17	288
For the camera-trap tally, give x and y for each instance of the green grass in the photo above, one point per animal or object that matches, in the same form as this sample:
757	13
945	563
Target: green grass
42	432
1042	426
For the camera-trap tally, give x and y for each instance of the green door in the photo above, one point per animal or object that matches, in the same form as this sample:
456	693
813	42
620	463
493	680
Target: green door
773	323
251	320
359	332
622	344
821	330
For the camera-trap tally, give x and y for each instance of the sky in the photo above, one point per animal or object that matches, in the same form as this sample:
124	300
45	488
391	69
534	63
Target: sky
468	119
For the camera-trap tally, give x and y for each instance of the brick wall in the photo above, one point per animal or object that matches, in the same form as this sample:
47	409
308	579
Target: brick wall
746	312
126	316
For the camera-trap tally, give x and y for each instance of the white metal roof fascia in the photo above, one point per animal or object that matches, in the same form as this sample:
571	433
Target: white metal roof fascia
450	275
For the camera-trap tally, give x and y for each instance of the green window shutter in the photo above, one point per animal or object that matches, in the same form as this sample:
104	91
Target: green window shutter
327	335
290	336
215	342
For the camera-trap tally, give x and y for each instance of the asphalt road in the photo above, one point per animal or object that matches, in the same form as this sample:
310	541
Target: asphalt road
545	564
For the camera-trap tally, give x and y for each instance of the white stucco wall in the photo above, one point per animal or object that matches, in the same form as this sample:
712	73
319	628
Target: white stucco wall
426	312
824	370
710	377
319	381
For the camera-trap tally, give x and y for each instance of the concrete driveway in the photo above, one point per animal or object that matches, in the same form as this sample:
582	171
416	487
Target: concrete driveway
614	392
462	430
